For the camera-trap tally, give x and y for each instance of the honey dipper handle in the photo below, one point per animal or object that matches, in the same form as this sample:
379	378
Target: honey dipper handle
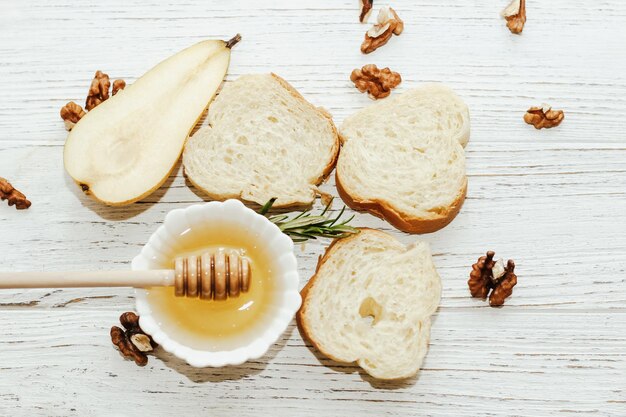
76	279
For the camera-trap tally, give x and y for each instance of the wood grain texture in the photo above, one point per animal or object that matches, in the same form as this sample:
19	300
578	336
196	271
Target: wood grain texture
554	201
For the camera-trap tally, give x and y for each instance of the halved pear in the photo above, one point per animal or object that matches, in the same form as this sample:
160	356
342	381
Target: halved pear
124	149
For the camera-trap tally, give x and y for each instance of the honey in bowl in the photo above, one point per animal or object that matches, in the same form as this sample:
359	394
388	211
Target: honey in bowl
218	325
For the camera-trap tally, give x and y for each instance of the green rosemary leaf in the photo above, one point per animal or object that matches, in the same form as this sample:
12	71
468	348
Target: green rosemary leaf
267	206
340	214
278	218
300	234
347	221
300	215
330	203
344	227
302	222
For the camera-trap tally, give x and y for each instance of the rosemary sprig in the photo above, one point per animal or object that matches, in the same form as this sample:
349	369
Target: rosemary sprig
305	226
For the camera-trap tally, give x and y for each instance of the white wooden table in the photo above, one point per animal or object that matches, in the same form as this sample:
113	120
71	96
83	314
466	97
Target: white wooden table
552	200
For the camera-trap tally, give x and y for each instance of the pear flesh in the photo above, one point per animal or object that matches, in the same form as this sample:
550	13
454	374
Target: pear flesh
124	149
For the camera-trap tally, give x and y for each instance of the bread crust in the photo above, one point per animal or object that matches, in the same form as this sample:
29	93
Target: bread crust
399	220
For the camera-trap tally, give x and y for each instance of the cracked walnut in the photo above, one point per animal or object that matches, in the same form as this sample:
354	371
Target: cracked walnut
492	276
132	341
388	24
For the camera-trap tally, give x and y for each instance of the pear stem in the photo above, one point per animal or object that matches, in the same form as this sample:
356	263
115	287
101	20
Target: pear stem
234	41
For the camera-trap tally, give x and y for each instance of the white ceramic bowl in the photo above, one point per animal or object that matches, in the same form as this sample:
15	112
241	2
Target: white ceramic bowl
161	246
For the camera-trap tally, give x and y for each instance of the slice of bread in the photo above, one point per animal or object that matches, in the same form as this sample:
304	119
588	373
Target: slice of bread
403	160
370	302
264	140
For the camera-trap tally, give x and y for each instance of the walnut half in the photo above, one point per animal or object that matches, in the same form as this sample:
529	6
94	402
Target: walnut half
515	15
377	82
544	117
388	24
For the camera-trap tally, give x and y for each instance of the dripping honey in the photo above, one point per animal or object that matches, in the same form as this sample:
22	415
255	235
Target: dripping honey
217	325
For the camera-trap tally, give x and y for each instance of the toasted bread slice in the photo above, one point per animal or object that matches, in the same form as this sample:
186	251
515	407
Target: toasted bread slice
264	140
402	158
370	302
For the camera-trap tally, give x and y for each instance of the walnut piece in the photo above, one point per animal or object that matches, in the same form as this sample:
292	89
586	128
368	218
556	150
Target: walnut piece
515	15
132	341
544	117
71	113
377	82
366	9
504	286
492	276
117	86
15	198
388	24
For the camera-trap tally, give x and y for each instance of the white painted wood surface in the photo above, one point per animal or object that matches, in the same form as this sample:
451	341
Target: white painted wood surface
554	201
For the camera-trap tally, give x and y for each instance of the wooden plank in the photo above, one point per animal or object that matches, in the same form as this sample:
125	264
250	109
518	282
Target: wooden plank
495	362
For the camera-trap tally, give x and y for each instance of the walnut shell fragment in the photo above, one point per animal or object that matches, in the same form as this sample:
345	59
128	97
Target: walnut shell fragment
515	15
132	341
388	24
544	117
377	82
14	197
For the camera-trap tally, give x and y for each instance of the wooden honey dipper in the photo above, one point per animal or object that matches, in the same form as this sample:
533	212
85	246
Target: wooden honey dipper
210	276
